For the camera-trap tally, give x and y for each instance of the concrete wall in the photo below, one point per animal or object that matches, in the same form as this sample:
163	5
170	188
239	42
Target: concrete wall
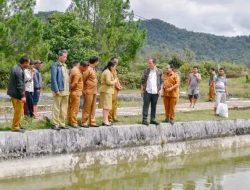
49	142
46	151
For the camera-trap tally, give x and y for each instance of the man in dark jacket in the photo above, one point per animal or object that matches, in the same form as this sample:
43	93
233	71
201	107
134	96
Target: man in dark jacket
151	86
16	89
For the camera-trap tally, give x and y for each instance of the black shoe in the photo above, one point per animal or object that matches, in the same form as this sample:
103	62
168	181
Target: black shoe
171	121
107	125
84	126
145	123
62	127
54	127
115	121
19	130
154	122
166	121
22	127
94	126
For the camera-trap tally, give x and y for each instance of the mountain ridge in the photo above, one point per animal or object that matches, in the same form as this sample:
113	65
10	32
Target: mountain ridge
167	39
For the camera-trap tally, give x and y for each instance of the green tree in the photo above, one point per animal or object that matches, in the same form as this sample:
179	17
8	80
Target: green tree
20	34
11	7
114	27
189	55
176	61
67	31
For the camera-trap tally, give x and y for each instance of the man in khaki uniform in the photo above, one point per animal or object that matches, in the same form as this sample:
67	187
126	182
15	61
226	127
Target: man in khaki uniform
89	92
76	86
60	88
170	93
211	92
118	87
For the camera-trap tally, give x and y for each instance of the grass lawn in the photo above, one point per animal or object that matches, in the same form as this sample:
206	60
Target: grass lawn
3	90
160	102
238	88
191	116
5	103
121	104
180	117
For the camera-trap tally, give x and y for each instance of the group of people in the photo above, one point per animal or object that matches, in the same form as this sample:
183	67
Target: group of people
33	84
25	83
24	87
217	87
67	87
82	81
155	83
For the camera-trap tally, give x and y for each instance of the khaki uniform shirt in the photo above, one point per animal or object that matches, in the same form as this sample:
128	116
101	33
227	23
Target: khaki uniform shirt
90	81
171	79
76	78
107	82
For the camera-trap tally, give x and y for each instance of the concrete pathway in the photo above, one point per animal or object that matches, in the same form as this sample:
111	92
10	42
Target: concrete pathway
133	111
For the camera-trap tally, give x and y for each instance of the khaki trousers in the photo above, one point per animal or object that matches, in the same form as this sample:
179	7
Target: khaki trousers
74	104
59	110
18	113
211	94
89	109
169	104
113	111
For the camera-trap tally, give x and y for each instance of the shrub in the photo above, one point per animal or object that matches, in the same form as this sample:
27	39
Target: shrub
176	61
4	78
130	80
233	70
247	79
185	69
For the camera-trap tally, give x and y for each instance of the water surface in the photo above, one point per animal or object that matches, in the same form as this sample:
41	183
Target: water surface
220	170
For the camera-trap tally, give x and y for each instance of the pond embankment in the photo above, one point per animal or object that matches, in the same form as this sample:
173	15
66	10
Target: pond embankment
47	151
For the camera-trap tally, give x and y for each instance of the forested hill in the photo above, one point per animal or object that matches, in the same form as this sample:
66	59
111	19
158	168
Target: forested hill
45	14
167	39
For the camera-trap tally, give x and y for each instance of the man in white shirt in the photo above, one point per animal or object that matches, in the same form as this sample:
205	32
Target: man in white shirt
29	90
151	85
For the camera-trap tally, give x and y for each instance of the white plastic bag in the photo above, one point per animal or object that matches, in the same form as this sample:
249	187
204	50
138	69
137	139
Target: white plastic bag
222	110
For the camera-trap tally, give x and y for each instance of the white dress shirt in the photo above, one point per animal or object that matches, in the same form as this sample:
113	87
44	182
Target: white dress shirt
29	84
151	87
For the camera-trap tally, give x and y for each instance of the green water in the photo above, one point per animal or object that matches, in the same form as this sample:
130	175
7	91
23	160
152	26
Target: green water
229	170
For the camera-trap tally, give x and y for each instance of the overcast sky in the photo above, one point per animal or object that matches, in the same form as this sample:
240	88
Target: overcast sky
220	17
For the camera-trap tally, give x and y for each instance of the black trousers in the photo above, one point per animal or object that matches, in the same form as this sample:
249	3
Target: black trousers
147	100
28	106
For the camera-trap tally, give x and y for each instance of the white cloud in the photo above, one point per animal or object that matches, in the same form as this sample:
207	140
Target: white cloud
220	17
52	5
